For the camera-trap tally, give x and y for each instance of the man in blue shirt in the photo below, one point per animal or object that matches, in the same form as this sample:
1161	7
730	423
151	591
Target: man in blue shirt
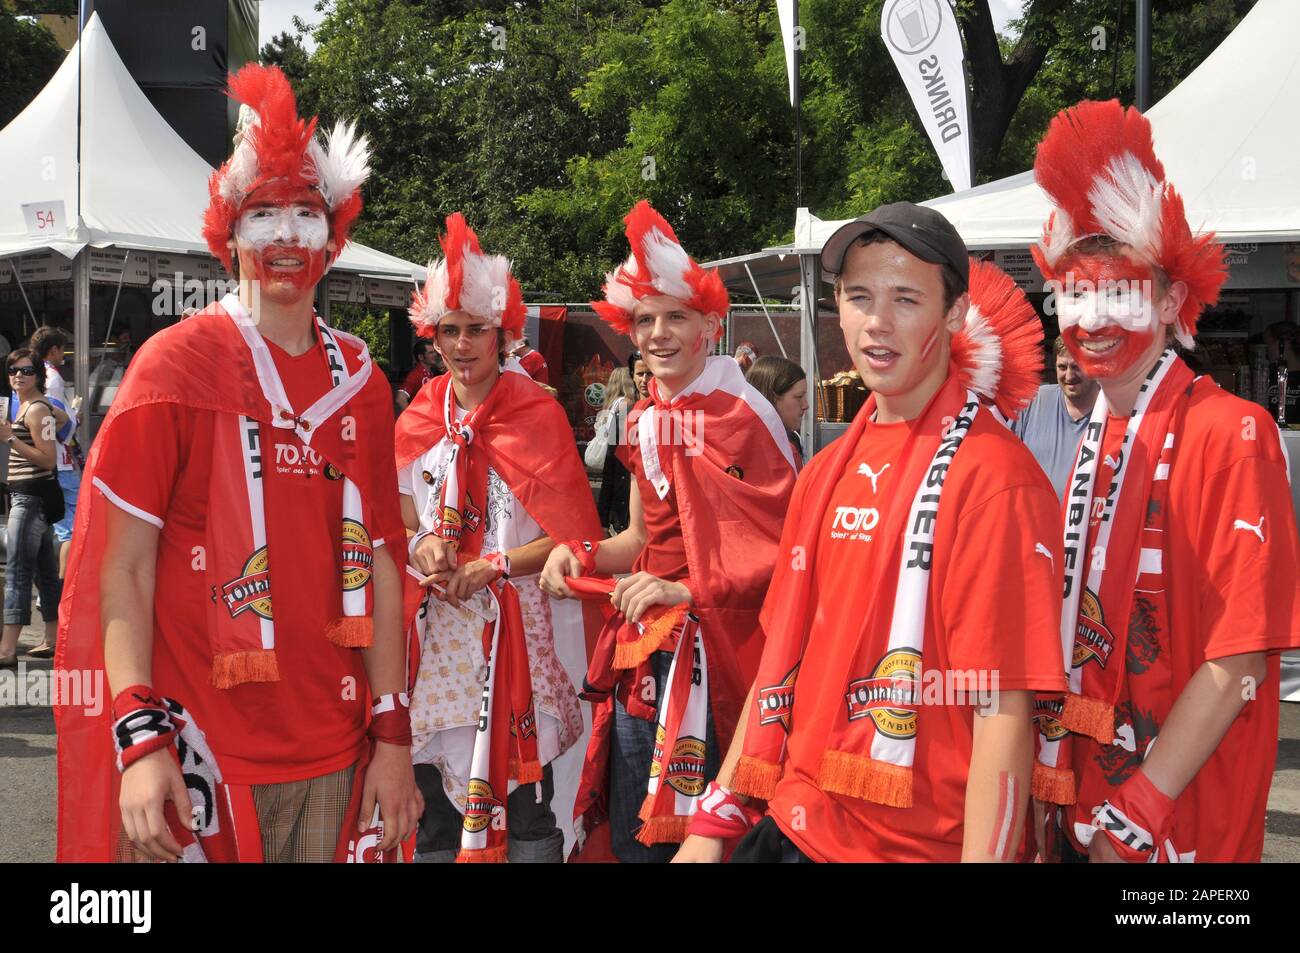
1053	424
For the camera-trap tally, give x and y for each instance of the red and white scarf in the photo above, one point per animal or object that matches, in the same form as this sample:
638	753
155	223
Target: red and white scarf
870	751
505	744
239	551
1127	555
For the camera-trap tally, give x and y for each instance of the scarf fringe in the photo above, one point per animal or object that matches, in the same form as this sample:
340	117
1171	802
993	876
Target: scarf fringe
526	772
352	632
488	855
658	632
1053	785
1089	716
865	778
663	830
755	777
235	668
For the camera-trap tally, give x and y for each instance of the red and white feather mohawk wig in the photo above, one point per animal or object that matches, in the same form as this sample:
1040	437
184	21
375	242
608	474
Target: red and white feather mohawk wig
273	144
470	281
657	266
1098	166
998	353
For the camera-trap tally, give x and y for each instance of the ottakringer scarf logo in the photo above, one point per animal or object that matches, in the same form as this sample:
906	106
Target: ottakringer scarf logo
1047	713
1092	640
481	805
358	555
895	681
252	589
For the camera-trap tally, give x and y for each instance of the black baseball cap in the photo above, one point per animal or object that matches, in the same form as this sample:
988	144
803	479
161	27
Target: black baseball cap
922	231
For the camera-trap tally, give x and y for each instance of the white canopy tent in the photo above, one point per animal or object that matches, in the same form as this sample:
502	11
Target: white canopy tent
91	164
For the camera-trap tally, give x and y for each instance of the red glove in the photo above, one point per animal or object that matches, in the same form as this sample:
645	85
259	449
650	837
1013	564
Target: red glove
1137	819
141	725
390	719
721	815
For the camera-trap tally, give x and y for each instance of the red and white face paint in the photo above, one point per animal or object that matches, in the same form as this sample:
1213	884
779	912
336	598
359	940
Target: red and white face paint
285	233
1106	313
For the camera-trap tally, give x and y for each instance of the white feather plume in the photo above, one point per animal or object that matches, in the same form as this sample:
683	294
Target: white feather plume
241	170
985	354
430	302
485	286
1126	204
669	265
342	163
616	292
1058	236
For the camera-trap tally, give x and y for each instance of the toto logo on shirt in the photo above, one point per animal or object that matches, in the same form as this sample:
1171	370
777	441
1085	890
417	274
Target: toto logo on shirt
894	683
853	522
252	590
776	702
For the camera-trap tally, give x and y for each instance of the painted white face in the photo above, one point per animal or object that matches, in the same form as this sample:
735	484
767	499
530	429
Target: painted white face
297	225
1124	304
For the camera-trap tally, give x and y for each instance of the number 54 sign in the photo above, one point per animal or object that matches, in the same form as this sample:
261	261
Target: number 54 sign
45	219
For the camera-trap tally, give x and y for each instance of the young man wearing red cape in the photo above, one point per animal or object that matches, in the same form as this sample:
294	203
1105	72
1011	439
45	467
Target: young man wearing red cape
1179	532
713	474
489	474
913	610
234	573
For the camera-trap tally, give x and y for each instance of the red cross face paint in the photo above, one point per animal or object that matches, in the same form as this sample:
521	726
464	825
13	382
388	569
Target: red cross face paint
1106	314
283	233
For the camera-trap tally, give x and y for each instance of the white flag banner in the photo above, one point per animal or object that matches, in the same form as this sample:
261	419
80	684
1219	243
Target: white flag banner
924	41
785	11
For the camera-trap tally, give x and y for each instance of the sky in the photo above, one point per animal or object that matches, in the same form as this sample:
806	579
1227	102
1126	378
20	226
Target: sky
276	15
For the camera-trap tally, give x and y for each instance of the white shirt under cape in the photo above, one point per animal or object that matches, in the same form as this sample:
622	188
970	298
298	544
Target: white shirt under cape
449	686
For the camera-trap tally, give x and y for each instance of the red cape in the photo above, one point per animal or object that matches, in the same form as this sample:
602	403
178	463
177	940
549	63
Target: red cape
731	527
204	364
530	445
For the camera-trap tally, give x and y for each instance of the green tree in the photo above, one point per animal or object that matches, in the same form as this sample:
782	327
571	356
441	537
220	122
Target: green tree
29	56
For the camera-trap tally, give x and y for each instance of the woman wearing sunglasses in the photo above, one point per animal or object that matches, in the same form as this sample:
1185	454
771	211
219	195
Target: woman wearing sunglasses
35	504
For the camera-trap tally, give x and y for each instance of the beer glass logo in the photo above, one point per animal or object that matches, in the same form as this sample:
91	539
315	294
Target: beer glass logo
912	25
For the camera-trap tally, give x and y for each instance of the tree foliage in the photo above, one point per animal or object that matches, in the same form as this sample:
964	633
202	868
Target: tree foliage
544	121
29	56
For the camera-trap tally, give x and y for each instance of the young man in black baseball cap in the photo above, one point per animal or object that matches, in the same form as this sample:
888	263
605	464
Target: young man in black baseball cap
913	612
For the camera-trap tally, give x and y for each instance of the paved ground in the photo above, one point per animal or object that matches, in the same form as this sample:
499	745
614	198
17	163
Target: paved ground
27	777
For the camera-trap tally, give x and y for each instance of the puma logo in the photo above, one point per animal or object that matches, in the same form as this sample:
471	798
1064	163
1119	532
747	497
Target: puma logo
1040	548
866	471
1258	530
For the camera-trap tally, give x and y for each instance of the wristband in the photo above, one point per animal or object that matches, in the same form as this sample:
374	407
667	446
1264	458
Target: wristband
585	551
390	719
141	725
721	815
1137	819
501	562
415	541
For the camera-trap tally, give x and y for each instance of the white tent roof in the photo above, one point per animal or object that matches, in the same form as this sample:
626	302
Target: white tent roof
1226	134
142	186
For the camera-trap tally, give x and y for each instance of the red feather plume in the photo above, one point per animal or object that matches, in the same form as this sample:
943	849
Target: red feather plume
1079	144
1000	350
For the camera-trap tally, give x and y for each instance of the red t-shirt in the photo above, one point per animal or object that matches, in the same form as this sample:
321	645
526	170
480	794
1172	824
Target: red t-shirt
311	722
535	365
664	554
994	606
416	379
1229	592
